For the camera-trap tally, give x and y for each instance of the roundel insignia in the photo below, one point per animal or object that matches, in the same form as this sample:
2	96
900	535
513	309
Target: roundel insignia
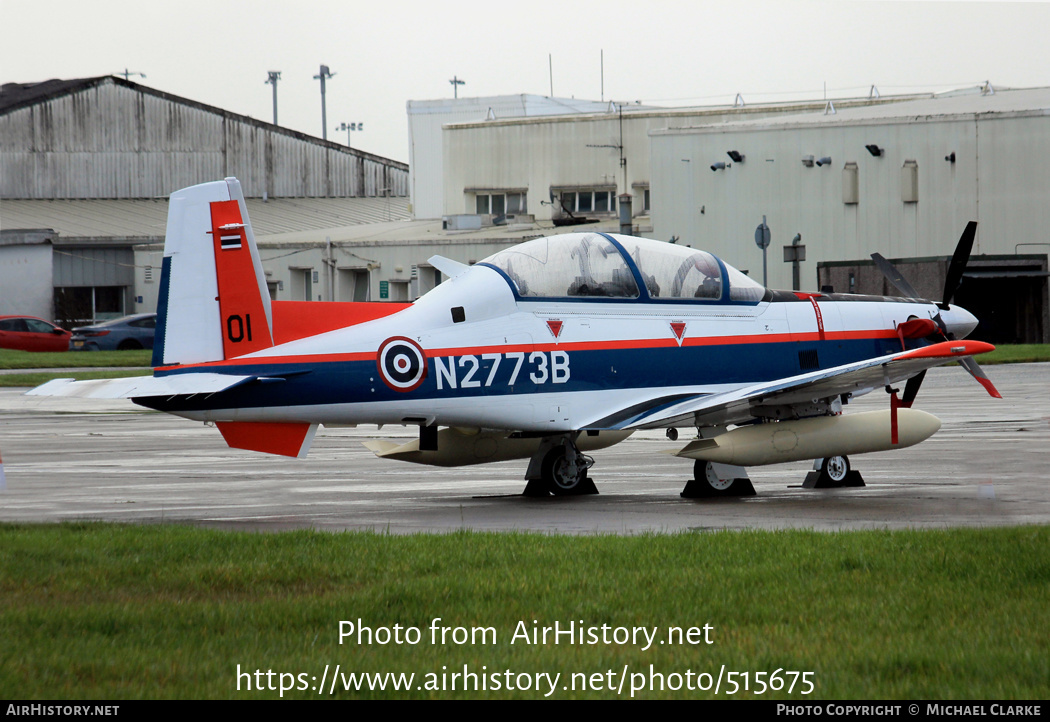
402	363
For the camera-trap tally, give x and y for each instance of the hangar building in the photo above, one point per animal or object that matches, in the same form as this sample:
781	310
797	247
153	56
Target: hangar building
88	165
706	177
900	178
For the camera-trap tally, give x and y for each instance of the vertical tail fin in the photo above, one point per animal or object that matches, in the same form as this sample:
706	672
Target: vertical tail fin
214	303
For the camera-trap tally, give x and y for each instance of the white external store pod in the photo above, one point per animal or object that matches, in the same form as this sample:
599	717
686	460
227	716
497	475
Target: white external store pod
814	438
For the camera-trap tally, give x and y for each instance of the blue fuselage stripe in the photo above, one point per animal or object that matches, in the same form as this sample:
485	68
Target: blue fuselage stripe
348	382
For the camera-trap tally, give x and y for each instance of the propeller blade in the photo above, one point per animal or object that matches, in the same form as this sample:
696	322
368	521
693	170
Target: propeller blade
894	276
959	260
971	365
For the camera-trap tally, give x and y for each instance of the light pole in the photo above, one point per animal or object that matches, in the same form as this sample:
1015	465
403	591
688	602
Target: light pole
322	75
349	127
456	82
272	77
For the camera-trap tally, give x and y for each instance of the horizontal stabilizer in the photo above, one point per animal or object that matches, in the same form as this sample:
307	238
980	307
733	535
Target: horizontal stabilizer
141	386
284	439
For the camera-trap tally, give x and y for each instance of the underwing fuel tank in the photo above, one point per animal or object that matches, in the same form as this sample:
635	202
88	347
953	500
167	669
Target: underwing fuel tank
462	447
814	438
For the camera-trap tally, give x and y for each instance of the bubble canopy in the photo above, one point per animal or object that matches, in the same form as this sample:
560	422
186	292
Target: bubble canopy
590	266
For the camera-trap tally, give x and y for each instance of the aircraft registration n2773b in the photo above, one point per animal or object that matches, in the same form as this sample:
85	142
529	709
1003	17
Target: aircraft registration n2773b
543	351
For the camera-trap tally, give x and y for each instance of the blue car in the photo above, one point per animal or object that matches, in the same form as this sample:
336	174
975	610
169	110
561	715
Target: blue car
120	334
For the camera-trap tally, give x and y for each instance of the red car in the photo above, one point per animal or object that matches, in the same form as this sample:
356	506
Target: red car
27	333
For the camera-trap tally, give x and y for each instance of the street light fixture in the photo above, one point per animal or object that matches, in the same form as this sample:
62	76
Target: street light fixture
348	127
322	75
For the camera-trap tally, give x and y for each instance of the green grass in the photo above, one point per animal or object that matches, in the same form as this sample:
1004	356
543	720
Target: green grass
1016	353
107	611
10	359
31	380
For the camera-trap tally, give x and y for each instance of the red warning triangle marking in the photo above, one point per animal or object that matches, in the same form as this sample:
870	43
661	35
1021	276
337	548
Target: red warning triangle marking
678	327
555	327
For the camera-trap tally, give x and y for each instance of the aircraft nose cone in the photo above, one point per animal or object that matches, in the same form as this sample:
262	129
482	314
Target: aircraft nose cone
959	321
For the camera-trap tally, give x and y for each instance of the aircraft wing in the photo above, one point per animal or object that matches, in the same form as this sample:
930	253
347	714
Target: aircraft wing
141	386
734	406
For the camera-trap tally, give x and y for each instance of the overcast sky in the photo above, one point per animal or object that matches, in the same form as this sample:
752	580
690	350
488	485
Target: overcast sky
694	52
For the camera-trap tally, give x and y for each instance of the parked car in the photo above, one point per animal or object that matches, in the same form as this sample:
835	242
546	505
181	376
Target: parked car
119	334
28	333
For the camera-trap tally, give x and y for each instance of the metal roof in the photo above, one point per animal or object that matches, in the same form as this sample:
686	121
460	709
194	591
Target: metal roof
147	219
979	101
508	106
14	96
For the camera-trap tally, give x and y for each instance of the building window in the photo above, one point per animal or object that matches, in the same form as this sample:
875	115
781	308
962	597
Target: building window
588	201
84	305
499	203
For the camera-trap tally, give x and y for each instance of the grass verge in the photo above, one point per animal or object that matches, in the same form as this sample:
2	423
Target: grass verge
1016	353
30	380
108	611
11	359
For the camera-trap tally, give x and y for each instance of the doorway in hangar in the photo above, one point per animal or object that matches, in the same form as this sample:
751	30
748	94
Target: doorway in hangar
1009	301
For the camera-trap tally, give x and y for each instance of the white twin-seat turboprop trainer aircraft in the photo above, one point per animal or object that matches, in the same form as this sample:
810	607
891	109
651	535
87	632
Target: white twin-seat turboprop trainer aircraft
543	351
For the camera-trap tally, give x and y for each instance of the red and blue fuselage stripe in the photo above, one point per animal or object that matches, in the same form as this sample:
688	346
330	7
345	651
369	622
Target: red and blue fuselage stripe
565	368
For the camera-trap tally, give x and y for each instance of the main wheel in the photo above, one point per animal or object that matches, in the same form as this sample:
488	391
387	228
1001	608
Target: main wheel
129	344
559	478
704	471
708	482
835	468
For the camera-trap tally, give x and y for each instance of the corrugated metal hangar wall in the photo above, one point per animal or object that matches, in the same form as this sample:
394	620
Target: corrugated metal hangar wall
110	138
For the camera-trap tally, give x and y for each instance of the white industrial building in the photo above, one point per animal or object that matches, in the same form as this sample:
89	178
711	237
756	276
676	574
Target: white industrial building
427	118
898	178
706	177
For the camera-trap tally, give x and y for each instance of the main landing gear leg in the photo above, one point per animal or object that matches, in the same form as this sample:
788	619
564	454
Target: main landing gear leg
559	468
711	480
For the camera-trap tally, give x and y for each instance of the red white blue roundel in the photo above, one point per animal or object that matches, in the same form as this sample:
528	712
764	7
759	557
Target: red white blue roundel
402	363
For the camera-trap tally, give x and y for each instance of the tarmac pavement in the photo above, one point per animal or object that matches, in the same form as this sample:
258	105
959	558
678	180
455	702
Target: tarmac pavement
72	459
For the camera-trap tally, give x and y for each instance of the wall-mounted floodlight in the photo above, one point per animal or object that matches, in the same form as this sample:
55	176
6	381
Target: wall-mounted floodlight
736	156
950	157
826	160
807	160
718	166
874	150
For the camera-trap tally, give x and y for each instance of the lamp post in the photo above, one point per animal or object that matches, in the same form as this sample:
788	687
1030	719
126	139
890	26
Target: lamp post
350	127
322	75
272	77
